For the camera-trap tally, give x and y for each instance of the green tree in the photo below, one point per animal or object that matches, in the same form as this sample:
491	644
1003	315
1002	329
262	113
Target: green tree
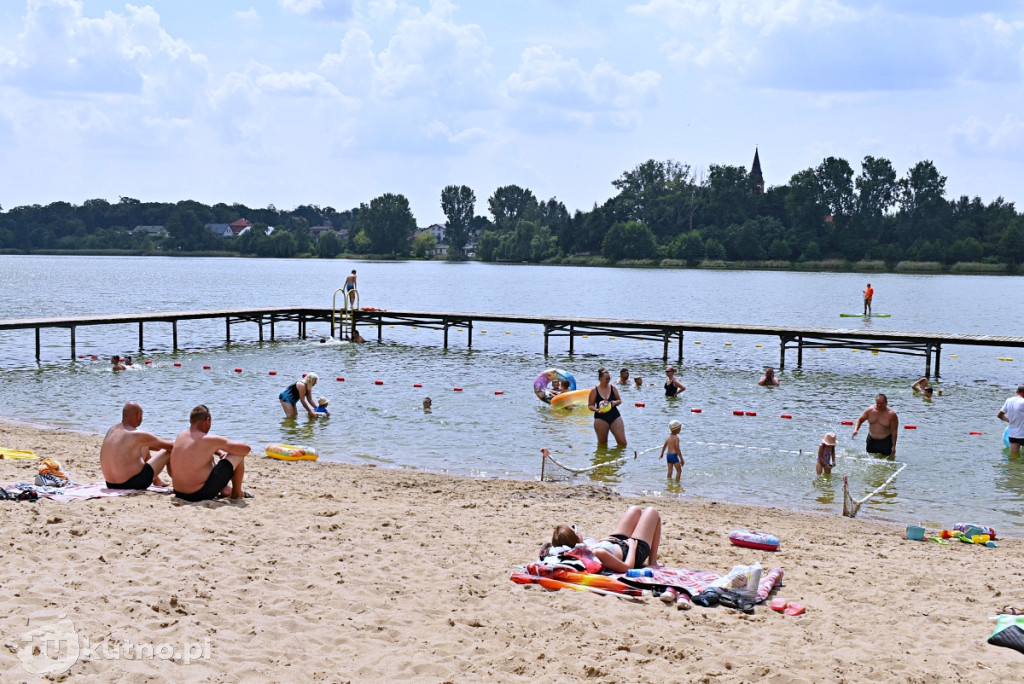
389	224
511	204
487	245
329	245
361	243
1011	243
629	240
714	250
655	194
458	203
423	245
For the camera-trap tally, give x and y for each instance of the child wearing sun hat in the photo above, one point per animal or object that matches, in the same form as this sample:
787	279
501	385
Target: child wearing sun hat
826	454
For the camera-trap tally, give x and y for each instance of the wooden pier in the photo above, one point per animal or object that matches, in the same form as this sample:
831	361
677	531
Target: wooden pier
668	333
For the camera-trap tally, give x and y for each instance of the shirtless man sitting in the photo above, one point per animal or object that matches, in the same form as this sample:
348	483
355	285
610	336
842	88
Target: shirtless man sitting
204	464
131	458
883	427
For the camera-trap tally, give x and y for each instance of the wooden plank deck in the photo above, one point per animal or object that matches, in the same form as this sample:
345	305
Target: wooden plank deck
927	344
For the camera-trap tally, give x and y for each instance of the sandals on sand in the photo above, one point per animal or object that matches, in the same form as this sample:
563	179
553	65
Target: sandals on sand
1009	610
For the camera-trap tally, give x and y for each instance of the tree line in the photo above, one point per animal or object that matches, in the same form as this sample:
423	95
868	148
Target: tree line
662	210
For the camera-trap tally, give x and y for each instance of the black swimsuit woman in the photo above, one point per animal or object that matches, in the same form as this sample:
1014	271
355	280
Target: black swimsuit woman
610	420
672	386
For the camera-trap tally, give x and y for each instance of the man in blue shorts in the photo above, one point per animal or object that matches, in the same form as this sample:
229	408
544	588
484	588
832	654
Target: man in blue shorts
1013	413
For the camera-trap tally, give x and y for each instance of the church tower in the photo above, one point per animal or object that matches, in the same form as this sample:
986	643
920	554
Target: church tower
755	175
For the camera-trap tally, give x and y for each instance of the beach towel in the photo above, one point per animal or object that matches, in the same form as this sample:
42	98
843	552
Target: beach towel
692	582
15	453
79	492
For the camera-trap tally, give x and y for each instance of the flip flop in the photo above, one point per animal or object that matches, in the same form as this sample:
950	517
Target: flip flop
778	604
794	609
1009	610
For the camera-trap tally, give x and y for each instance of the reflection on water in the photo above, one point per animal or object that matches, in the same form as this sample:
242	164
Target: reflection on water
756	458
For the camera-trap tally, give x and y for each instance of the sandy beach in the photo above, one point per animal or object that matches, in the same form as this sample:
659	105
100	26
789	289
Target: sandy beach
342	573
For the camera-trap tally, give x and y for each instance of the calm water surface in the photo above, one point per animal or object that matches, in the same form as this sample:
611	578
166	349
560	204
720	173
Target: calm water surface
761	459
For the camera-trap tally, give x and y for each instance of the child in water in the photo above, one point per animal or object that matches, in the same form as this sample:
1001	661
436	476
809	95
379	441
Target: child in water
675	457
639	382
321	406
826	454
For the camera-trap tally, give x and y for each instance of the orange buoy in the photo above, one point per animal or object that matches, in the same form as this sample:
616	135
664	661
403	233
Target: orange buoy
238	370
640	404
177	364
417	384
909	427
273	372
695	410
148	362
94	357
975	432
737	413
847	422
378	382
751	413
498	392
341	379
785	415
458	389
206	368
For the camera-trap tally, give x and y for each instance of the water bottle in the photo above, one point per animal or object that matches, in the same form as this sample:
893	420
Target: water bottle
640	572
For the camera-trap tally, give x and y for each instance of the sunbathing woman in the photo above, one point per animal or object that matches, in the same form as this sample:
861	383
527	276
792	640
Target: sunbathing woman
632	544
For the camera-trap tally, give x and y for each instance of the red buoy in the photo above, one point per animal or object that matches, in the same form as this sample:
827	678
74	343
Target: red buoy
847	422
206	368
751	413
238	370
378	382
785	415
975	432
640	404
417	384
177	364
695	410
148	362
498	392
305	374
273	372
94	357
340	379
458	389
909	427
737	413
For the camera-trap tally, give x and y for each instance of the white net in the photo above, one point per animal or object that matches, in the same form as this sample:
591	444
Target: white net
553	469
851	505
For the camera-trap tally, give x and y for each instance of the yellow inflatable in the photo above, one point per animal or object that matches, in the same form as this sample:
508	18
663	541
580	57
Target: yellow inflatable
288	452
573	398
16	453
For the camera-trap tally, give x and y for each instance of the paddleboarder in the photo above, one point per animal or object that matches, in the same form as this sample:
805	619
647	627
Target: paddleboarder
869	293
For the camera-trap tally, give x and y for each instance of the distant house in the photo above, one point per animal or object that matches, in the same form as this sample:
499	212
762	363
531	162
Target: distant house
152	231
316	232
240	226
437	230
221	230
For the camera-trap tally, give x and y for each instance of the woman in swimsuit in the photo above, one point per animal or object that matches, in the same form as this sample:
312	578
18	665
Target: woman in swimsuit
672	386
300	391
632	544
604	401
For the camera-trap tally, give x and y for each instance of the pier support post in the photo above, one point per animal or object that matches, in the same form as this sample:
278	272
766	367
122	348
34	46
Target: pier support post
680	345
174	335
571	338
37	345
782	353
140	336
446	333
547	329
259	322
664	338
271	328
469	334
938	356
72	341
227	329
800	351
928	359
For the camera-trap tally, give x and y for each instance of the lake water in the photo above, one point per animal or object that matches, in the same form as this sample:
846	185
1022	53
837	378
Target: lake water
763	459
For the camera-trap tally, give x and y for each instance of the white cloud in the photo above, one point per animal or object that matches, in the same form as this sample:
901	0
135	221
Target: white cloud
1004	138
334	10
249	18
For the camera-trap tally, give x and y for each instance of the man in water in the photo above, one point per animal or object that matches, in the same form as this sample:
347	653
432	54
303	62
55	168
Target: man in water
623	376
868	295
883	427
204	464
1013	413
131	458
768	379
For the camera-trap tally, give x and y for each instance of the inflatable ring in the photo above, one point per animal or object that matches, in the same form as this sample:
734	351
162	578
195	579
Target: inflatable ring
288	452
570	398
542	383
754	539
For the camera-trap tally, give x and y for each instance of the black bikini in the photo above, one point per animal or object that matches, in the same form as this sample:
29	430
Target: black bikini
671	389
613	413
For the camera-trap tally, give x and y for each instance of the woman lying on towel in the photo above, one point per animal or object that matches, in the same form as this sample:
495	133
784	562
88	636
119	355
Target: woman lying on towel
632	544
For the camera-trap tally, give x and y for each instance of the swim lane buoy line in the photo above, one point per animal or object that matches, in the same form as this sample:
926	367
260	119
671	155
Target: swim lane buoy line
755	539
542	383
289	452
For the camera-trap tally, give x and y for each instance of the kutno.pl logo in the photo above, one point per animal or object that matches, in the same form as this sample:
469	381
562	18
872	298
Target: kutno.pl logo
53	649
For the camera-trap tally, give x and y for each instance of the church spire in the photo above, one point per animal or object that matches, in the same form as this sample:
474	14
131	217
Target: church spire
755	174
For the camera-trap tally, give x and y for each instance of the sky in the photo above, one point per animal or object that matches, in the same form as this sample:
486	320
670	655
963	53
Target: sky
336	102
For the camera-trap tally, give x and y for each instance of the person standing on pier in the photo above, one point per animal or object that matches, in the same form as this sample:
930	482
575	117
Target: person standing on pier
604	401
869	294
883	427
350	287
1013	413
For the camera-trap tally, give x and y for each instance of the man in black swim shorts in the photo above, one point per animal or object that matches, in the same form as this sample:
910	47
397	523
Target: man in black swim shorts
131	458
203	464
883	427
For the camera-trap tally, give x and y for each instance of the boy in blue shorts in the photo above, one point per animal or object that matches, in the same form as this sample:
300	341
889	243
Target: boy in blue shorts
671	445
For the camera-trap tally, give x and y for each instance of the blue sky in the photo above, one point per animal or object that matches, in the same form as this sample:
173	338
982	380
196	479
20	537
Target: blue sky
334	102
